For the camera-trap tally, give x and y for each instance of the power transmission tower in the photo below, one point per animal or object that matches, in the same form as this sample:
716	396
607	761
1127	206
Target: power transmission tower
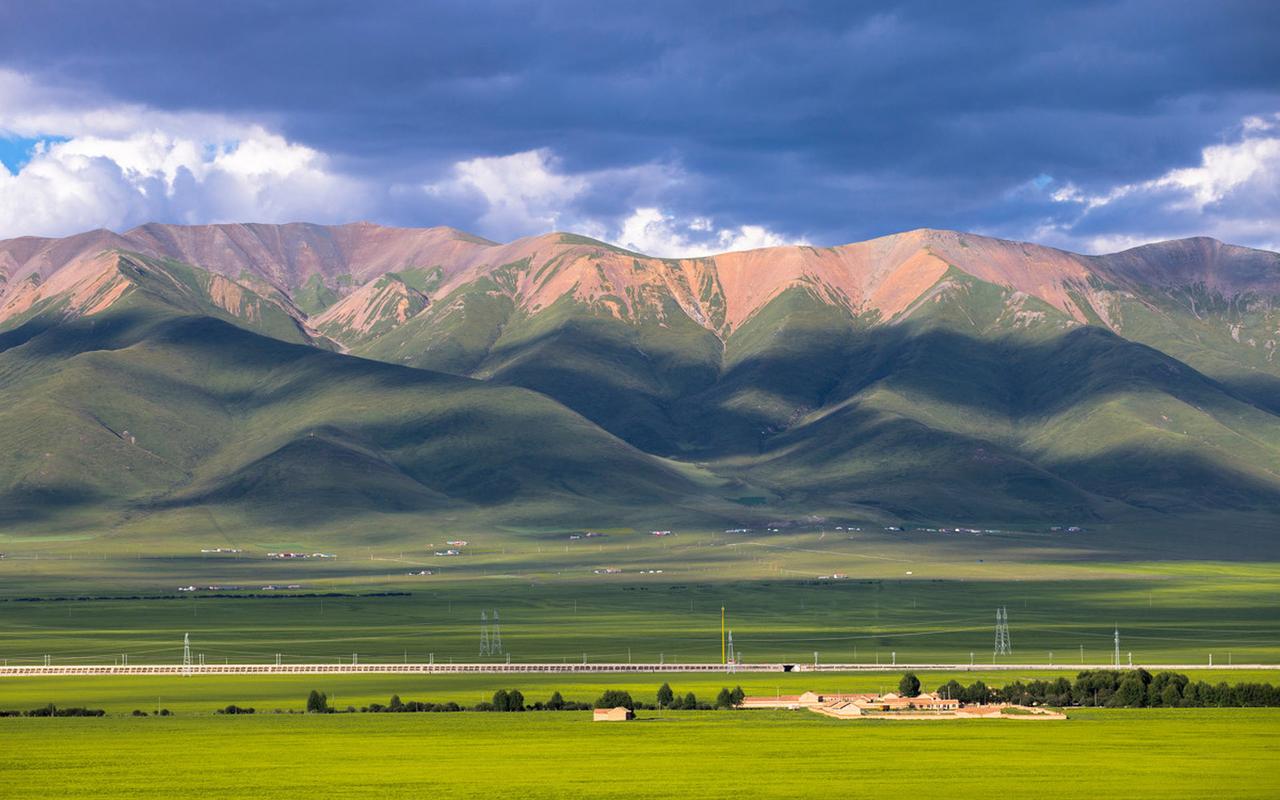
733	659
484	634
1003	647
186	654
495	637
1117	640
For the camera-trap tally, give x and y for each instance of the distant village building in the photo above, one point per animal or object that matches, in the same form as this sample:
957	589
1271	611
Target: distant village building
618	714
926	705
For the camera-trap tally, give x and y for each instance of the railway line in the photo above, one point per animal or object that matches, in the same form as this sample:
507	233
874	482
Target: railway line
21	671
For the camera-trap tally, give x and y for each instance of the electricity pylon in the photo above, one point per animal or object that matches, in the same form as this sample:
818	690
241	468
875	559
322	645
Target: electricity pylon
1003	647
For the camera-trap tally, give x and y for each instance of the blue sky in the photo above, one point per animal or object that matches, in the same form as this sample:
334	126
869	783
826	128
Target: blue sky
16	152
676	127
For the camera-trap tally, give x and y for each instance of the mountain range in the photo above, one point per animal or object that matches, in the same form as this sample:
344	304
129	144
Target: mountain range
299	374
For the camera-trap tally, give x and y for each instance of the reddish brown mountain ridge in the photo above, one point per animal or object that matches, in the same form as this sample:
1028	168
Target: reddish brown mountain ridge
886	277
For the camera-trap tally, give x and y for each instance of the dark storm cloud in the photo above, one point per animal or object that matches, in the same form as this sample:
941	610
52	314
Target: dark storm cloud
832	121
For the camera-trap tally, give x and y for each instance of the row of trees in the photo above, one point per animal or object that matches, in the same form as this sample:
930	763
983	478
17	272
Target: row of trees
53	711
667	699
503	700
1117	689
234	709
513	700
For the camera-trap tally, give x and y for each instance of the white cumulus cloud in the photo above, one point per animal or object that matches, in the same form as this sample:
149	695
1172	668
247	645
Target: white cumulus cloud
99	165
529	193
650	231
104	164
1233	194
522	193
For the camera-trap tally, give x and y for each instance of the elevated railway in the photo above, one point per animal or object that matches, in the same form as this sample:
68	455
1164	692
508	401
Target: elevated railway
20	671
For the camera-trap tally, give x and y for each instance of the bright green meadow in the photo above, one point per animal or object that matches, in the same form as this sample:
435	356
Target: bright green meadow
1164	753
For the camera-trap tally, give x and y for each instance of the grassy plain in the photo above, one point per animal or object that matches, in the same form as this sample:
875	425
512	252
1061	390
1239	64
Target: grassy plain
916	597
870	621
1163	753
204	694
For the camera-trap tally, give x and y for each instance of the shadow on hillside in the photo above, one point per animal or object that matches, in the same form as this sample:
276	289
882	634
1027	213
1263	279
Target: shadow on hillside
903	466
383	445
599	370
47	336
1015	379
1261	390
26	505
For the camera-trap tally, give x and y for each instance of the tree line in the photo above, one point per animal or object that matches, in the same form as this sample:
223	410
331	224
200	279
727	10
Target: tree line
505	700
1118	689
51	710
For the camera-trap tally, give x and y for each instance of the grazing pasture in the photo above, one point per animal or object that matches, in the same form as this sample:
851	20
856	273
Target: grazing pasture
201	694
1183	614
1159	753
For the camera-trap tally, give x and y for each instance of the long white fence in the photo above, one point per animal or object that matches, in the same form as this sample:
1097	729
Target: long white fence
550	668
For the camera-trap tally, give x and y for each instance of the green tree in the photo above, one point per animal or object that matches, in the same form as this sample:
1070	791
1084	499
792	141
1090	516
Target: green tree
614	698
395	704
501	700
515	700
951	690
665	696
317	703
978	692
737	695
690	701
909	686
1132	693
724	699
1161	682
556	702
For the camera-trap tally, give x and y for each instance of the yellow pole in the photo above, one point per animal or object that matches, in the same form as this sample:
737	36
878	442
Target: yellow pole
721	634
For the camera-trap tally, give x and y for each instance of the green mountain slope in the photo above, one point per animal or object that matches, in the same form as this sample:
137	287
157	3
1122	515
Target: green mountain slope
145	407
974	402
929	376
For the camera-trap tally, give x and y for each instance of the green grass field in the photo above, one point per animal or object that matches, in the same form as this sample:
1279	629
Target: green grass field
1179	612
868	622
1131	754
204	694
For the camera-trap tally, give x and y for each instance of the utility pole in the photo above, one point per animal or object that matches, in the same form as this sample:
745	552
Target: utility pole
722	642
1117	642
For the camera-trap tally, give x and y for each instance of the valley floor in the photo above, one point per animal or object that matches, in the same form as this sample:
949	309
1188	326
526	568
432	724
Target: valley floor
1161	753
202	694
